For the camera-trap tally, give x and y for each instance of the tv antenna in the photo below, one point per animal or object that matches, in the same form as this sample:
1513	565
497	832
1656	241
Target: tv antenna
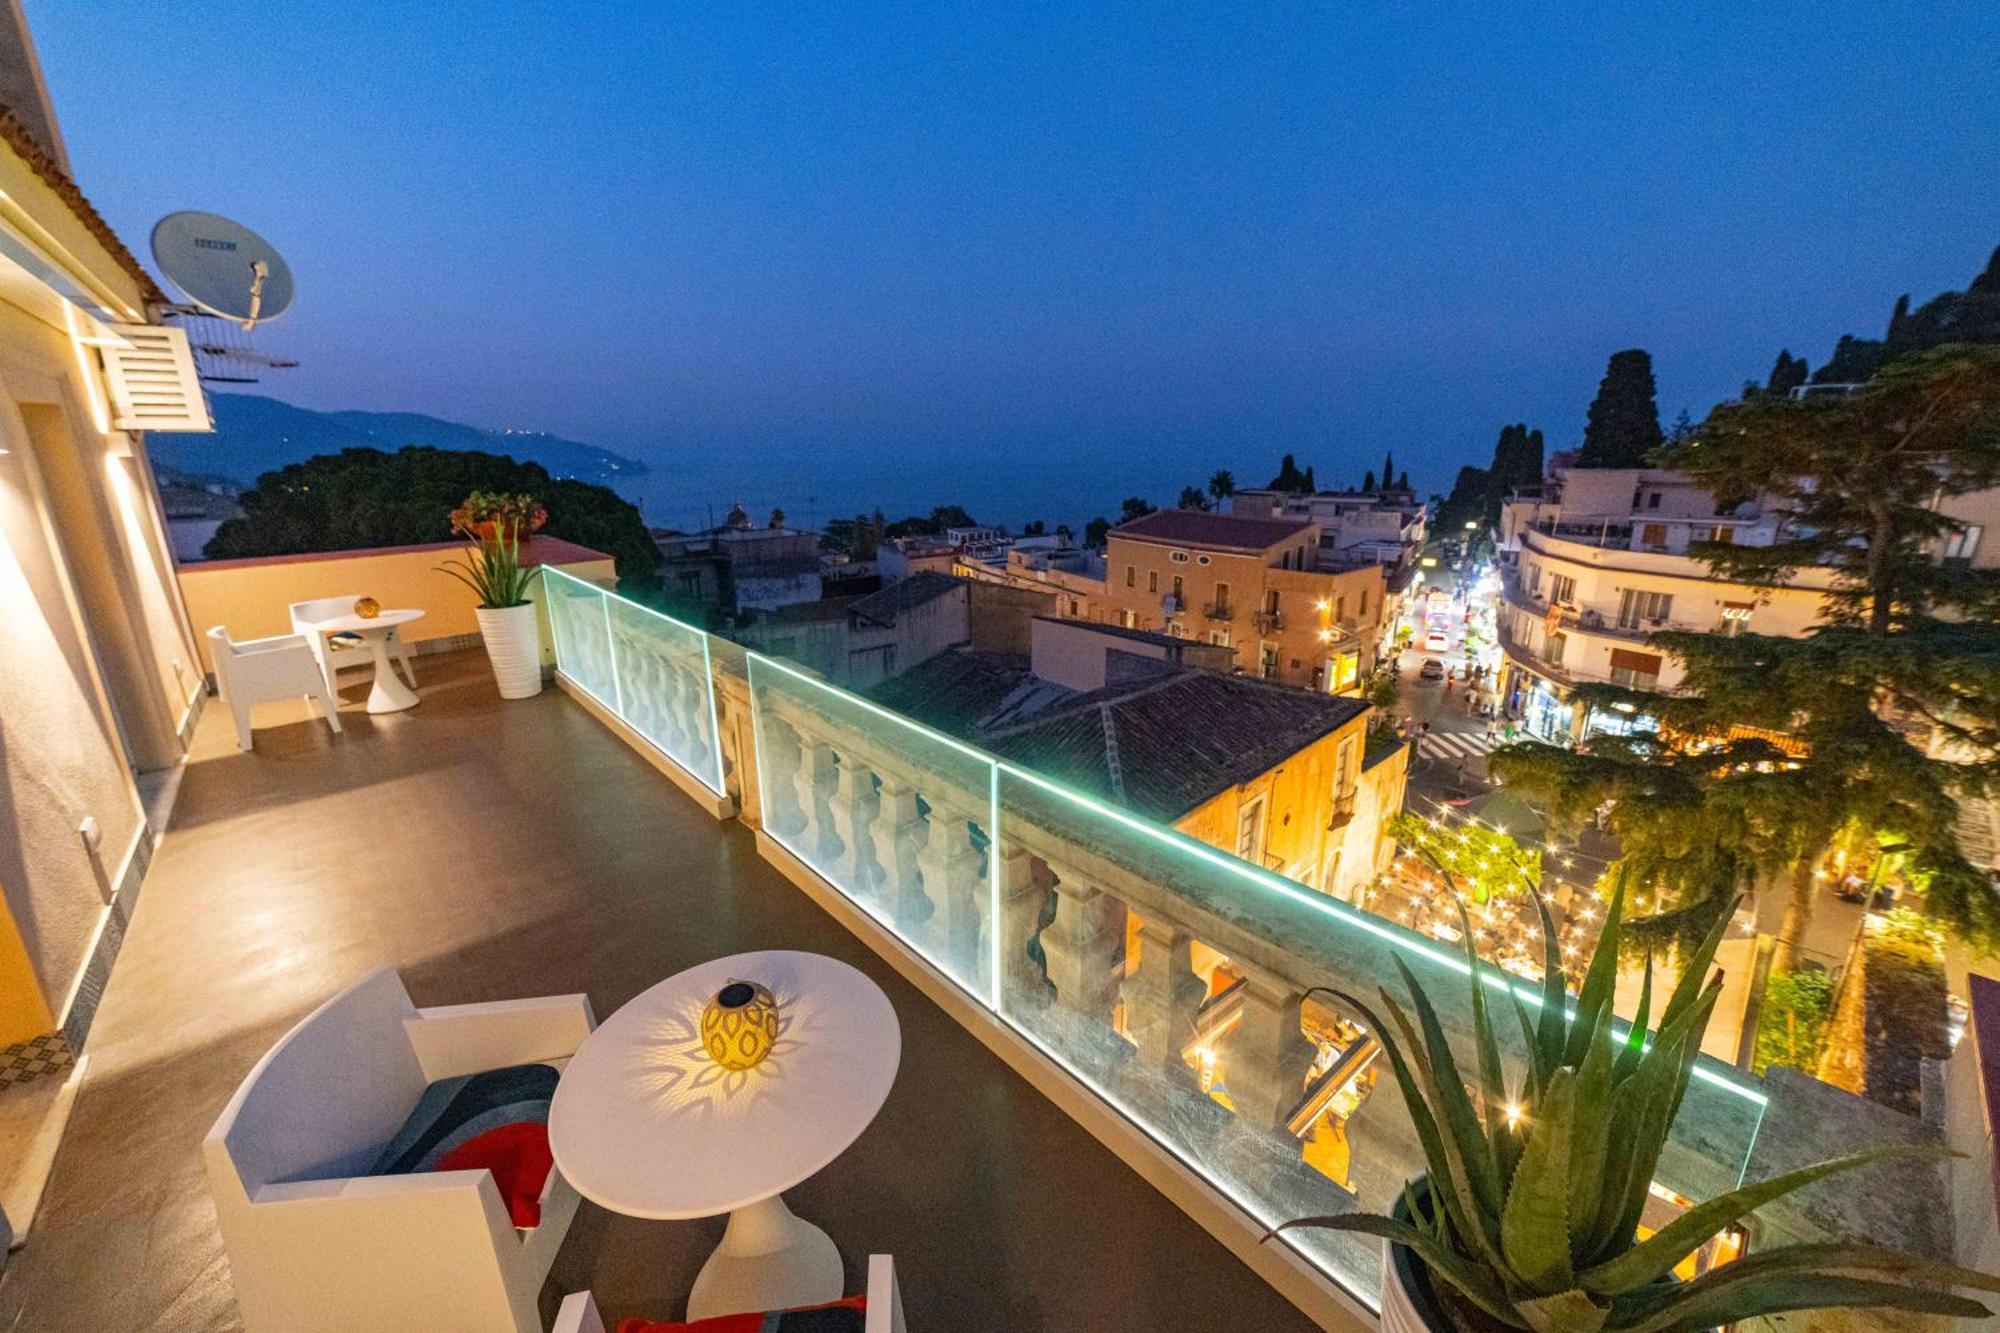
231	280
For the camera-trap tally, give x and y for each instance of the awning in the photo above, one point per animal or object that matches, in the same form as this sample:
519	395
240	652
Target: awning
1645	664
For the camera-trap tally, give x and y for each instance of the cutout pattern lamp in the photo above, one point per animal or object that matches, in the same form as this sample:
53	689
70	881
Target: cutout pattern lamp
740	1025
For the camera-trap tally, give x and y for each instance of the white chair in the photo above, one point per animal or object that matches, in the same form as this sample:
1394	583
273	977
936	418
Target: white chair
262	671
316	1247
307	617
579	1312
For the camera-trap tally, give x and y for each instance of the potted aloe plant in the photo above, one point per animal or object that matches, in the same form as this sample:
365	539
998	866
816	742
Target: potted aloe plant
1527	1215
494	526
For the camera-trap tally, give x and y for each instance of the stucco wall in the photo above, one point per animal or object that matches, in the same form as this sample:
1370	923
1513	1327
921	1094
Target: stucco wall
252	598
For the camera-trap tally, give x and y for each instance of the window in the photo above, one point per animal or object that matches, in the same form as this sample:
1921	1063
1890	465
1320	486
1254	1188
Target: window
1250	830
1339	609
1363	613
1343	774
1653	534
1735	619
1635	671
1724	536
1222	599
1178	557
1562	590
1129	619
1131	576
1961	546
1201	560
1177	587
1075	608
1653	500
1557	642
1152	580
1637	606
1267	661
1219	637
1271	602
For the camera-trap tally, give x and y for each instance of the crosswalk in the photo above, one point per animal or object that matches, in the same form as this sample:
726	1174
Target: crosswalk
1438	745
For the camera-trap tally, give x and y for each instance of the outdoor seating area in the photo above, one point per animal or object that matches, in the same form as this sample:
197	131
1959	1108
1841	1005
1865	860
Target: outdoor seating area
334	924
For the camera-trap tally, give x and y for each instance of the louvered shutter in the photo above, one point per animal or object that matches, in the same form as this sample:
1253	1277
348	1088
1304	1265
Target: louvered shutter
154	385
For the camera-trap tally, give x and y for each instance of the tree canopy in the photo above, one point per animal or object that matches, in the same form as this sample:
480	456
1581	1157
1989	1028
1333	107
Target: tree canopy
1222	484
360	498
1192	497
1623	427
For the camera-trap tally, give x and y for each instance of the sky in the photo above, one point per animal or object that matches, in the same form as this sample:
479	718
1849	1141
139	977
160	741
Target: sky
1034	258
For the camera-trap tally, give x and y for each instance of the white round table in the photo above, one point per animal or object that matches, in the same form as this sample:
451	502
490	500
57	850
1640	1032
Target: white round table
645	1124
389	694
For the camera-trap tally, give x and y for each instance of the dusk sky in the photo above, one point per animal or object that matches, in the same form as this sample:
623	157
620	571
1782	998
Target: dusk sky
1034	258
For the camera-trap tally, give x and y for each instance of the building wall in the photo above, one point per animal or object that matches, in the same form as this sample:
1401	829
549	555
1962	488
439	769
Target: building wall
1140	573
252	598
99	678
1300	797
1000	617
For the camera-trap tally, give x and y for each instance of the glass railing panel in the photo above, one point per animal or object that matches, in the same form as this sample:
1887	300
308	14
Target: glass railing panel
1178	982
579	624
666	686
900	819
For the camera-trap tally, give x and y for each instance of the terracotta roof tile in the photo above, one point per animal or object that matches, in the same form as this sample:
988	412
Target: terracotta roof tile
1193	527
29	150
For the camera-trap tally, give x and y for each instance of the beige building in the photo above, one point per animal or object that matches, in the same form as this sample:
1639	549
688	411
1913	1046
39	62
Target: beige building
100	681
1252	584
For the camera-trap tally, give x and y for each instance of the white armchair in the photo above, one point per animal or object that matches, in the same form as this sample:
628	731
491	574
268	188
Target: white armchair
259	671
307	619
579	1313
314	1245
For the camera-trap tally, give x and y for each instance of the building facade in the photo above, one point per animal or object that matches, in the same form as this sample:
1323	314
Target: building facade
1252	584
100	682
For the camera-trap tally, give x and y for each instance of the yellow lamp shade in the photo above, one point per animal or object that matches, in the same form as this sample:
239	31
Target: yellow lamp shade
367	608
740	1025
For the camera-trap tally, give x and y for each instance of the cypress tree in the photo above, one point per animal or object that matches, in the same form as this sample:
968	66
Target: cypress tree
1388	468
1623	427
1368	482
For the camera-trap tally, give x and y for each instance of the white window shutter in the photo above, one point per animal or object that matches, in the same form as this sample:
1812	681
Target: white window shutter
154	385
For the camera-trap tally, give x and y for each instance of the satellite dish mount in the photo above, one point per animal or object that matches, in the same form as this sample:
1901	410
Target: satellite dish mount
231	280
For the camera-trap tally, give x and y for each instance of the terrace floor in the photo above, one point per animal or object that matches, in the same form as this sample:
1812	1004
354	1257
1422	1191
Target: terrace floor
520	849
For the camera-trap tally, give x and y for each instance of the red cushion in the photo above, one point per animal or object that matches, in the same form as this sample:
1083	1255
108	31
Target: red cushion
748	1323
518	1156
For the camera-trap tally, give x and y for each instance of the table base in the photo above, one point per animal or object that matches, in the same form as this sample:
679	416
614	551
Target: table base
388	694
769	1259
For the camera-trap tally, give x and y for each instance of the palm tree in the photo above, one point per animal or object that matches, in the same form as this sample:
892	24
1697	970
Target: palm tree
1222	485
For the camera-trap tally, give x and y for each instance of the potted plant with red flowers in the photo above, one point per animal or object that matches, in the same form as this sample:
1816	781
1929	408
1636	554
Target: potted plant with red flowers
494	526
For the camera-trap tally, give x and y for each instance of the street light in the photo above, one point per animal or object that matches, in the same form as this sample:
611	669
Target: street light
1471	524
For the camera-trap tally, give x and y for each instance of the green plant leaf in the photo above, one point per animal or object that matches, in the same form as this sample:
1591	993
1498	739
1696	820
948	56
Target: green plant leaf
1534	1226
1635	1040
1477	1224
1829	1257
1656	1256
1474	1282
1449	1097
1569	1311
1501	1142
1600	979
1794	1292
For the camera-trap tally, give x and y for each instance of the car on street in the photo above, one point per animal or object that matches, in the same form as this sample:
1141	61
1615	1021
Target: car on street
1432	670
1436	641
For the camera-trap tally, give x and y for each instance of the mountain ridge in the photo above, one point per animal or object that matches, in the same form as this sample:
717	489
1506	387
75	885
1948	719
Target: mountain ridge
255	434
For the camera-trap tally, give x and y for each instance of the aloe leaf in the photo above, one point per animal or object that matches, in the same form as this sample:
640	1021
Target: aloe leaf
1802	1291
1600	979
1565	1312
1695	974
1828	1258
1621	1147
1656	1256
1635	1040
1468	1278
1589	1138
1534	1226
1500	1140
1477	1223
1674	1056
1453	1105
1448	1185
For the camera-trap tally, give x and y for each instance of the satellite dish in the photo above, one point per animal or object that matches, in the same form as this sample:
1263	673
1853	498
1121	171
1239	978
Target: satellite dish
222	267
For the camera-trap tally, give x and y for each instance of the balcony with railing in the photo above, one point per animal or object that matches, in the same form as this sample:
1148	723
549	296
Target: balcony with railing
1077	987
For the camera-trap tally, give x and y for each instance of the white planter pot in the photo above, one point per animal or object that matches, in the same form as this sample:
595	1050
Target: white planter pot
1401	1312
514	647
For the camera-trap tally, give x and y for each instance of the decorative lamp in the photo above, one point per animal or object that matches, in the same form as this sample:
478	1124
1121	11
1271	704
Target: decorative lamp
367	608
740	1025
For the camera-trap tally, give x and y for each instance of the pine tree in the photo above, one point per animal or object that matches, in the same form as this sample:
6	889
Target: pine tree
1788	374
1889	711
1623	428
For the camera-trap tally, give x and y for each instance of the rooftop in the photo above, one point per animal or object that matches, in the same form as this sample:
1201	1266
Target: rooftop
1159	745
1194	527
289	872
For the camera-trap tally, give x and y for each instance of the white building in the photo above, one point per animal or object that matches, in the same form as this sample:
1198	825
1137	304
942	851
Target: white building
1597	563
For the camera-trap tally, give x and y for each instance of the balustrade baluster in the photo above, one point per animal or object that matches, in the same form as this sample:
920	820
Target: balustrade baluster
1268	1055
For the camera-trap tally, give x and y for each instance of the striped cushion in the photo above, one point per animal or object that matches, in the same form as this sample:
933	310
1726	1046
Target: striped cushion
496	1120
